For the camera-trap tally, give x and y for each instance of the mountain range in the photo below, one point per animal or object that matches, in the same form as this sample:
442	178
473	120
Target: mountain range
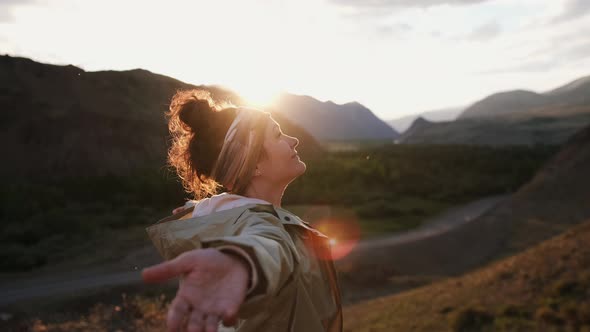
512	117
61	121
576	93
58	118
446	114
328	121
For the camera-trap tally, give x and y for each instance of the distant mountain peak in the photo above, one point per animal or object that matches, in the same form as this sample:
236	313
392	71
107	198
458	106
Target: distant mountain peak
355	103
511	102
331	121
505	102
402	124
575	84
138	70
420	121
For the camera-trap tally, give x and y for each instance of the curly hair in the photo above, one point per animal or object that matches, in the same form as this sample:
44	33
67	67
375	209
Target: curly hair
198	126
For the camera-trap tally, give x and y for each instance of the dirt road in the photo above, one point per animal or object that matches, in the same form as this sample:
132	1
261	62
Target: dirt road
128	271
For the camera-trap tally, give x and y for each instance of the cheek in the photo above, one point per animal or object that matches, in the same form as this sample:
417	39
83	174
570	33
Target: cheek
281	153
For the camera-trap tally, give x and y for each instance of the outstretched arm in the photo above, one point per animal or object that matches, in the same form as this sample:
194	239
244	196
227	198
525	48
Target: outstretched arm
256	240
213	288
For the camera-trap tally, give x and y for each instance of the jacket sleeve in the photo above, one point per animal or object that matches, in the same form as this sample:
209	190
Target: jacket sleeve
261	239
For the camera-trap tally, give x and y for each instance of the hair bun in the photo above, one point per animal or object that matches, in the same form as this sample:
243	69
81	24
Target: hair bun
195	111
198	114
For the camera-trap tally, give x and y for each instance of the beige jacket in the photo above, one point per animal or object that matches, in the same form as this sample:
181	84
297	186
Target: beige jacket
294	283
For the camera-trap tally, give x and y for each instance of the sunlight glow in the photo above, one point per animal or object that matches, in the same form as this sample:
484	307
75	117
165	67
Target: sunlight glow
343	234
324	49
258	96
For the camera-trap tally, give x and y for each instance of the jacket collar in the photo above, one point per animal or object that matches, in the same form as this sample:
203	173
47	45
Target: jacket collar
285	216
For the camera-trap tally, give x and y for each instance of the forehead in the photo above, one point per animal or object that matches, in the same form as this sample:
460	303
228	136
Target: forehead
272	124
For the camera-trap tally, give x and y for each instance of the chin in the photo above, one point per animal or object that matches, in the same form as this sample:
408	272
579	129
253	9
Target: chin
303	167
298	171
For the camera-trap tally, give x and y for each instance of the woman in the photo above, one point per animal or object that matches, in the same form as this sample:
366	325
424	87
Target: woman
243	261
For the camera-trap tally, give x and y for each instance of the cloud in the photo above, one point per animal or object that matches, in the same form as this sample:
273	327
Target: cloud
393	30
485	32
579	51
526	67
6	7
557	53
572	10
390	4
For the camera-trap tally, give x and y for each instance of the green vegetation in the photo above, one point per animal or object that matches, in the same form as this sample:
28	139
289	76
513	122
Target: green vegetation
396	187
439	173
48	222
386	187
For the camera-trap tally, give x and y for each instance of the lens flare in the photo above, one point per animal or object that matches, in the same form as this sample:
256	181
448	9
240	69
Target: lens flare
343	236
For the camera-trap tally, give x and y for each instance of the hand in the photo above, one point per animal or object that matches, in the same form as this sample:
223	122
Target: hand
213	288
178	209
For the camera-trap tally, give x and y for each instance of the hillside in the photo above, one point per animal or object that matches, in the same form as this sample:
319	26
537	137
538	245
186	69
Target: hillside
416	126
544	288
554	200
447	114
504	103
575	93
86	160
62	121
548	126
514	118
330	121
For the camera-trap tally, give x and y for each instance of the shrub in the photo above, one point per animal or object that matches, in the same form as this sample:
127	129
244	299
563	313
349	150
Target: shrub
471	319
548	316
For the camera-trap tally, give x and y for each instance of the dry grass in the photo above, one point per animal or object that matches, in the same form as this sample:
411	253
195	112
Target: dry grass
132	313
546	287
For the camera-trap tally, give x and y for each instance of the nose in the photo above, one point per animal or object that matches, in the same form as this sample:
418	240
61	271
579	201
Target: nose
294	142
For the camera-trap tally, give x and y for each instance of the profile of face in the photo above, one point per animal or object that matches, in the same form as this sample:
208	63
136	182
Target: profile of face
282	164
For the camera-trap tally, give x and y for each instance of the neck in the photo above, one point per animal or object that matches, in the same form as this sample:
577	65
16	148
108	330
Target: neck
267	192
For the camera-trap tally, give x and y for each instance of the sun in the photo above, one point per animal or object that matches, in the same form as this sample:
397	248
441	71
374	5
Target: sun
260	98
258	95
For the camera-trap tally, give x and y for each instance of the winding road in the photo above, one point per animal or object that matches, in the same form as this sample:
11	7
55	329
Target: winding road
128	272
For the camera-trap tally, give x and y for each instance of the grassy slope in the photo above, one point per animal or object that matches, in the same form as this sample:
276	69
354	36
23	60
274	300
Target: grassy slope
544	287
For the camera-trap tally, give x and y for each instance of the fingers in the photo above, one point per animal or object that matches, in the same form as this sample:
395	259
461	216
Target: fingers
179	308
211	323
178	209
230	317
196	322
166	270
160	272
199	322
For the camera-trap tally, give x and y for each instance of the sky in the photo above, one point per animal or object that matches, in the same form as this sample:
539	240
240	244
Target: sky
396	57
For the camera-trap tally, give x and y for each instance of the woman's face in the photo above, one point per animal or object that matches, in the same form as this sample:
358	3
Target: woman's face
282	164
